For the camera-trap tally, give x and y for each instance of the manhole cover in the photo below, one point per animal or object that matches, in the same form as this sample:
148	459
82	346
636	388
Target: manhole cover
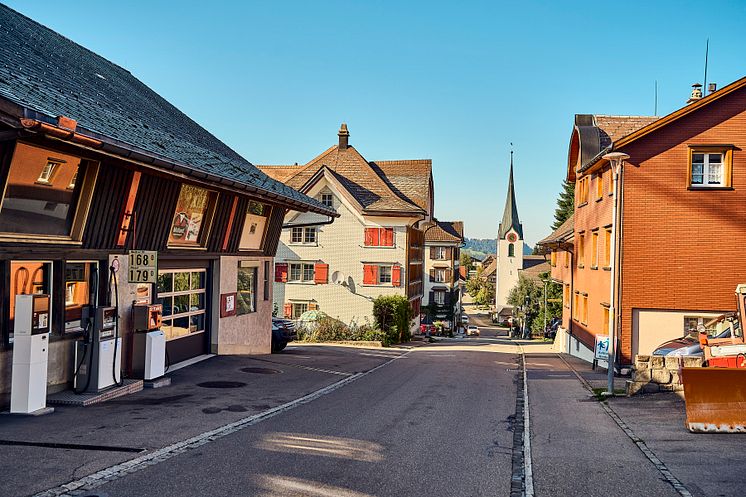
221	384
261	370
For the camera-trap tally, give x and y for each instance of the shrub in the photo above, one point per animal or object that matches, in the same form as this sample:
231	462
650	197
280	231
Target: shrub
330	330
393	316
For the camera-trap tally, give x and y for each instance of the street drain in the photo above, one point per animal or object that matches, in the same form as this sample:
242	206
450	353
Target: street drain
261	370
221	384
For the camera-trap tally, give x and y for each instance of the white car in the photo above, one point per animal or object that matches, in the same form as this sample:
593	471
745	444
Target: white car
472	330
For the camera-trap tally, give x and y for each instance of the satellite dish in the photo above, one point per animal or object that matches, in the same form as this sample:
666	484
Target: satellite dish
338	278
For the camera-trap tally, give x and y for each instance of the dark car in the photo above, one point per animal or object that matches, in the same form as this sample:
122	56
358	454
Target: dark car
283	331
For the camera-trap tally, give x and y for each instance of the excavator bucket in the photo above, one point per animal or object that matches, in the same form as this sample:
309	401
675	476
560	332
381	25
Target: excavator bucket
715	399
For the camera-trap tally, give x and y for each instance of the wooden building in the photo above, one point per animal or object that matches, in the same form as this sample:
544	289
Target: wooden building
93	164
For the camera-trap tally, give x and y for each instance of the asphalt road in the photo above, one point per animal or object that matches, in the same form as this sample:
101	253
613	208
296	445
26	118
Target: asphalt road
434	422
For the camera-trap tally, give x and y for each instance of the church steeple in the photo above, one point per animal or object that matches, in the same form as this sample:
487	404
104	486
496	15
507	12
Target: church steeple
510	214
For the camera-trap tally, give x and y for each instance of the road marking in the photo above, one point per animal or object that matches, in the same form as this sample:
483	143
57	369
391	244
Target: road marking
527	465
659	465
121	470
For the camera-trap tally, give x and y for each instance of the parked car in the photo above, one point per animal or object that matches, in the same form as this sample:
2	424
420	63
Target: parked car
465	318
283	332
686	345
472	330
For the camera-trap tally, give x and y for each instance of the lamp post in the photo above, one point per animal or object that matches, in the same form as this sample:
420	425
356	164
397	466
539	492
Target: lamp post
545	305
616	159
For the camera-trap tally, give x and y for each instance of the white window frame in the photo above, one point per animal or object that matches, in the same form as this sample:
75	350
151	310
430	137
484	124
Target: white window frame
440	275
47	173
706	170
327	199
440	253
301	306
385	280
303	269
439	297
302	236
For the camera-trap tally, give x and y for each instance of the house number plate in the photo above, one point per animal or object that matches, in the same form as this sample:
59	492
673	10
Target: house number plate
143	266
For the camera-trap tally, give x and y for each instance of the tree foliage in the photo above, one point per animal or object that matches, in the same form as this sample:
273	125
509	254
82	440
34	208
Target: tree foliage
481	290
466	261
565	204
534	311
393	315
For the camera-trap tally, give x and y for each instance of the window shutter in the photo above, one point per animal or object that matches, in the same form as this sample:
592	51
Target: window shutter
432	297
449	252
449	276
432	275
433	253
313	306
396	276
447	299
321	274
288	310
281	273
387	237
370	275
372	237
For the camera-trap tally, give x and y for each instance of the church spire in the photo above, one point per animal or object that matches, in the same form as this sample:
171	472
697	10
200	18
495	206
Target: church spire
510	214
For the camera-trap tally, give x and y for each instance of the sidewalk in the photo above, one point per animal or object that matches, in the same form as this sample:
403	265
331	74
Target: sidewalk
78	441
706	464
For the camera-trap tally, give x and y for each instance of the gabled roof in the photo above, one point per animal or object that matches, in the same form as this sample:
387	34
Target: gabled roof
510	213
387	187
445	231
533	272
614	128
44	75
490	269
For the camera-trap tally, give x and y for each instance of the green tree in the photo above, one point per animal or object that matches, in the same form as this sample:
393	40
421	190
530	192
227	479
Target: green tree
466	261
534	290
565	204
554	304
393	315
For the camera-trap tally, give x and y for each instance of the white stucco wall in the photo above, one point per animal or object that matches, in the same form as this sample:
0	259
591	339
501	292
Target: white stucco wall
341	245
652	327
507	268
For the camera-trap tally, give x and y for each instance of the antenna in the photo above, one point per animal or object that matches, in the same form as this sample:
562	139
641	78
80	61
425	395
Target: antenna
707	53
656	98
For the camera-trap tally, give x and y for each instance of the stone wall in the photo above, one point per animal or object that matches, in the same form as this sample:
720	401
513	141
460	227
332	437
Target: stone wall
653	374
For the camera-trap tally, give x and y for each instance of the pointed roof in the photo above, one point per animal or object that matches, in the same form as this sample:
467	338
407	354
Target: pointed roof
387	187
510	214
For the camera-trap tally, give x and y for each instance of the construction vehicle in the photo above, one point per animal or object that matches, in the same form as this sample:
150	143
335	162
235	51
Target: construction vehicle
715	394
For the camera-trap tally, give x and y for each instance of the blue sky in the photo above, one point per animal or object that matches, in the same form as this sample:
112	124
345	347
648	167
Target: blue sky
452	81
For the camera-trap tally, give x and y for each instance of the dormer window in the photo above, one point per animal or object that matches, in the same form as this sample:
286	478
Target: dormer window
327	199
47	172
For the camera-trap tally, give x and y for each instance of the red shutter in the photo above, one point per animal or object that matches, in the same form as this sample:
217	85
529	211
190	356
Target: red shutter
370	274
387	237
371	237
321	274
313	306
396	276
281	273
288	311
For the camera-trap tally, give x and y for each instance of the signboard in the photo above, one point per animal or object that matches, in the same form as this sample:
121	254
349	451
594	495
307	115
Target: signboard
601	351
143	266
227	304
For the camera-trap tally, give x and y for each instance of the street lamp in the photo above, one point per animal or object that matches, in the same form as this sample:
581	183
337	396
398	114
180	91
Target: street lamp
616	159
545	305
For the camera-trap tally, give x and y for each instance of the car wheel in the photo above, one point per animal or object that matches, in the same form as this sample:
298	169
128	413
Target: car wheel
281	346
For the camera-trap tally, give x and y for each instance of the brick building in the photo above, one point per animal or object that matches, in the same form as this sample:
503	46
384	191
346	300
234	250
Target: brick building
679	227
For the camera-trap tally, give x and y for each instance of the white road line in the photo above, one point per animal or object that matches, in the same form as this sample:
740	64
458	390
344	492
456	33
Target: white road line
121	470
527	465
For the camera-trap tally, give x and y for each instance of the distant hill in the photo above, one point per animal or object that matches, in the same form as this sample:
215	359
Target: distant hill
480	247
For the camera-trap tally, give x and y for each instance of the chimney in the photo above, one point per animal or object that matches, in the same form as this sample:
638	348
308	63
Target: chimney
712	88
344	137
696	93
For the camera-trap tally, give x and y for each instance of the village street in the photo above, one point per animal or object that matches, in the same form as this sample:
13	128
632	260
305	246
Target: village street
428	419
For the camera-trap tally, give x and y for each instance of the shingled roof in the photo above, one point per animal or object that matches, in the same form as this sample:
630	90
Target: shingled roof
445	231
614	128
46	75
379	187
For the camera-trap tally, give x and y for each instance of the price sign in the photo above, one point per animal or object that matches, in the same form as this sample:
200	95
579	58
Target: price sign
143	266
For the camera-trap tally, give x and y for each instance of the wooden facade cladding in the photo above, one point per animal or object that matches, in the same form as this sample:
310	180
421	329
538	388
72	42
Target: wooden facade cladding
274	230
221	220
154	210
107	205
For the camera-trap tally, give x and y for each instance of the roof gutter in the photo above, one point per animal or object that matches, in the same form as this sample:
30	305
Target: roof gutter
118	148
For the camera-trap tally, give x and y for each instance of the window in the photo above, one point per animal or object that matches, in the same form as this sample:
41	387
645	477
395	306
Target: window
709	167
298	308
583	190
77	293
305	236
246	288
606	320
301	272
553	258
594	250
37	198
327	199
511	250
194	207
439	297
600	185
566	294
581	250
440	275
28	277
567	259
181	292
379	237
575	303
255	223
693	324
585	310
607	247
384	274
265	293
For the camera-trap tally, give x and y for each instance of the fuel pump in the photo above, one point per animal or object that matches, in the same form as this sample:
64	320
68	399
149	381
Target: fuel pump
98	356
28	392
149	361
